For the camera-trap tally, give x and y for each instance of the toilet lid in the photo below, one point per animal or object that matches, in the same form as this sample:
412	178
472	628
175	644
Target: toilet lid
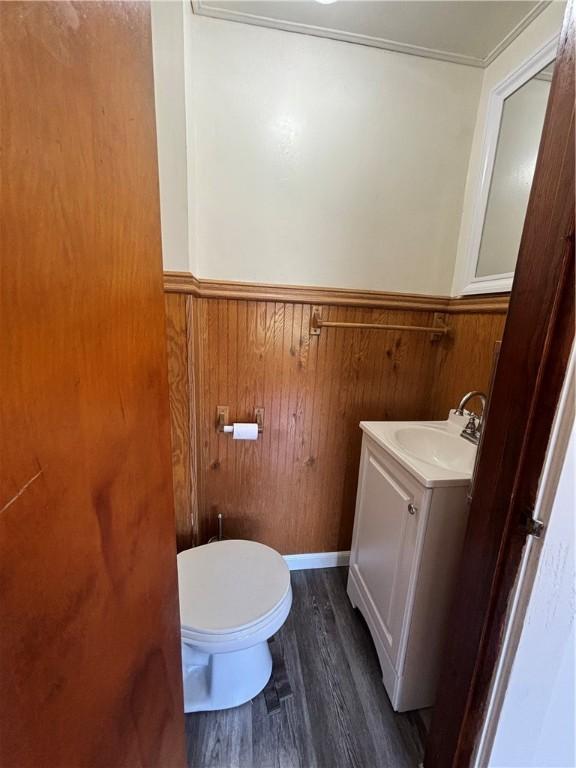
229	585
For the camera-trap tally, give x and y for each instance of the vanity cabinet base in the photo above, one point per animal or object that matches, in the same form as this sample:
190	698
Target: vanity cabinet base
405	550
404	694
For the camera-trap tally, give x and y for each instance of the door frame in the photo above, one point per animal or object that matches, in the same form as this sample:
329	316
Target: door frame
554	466
527	385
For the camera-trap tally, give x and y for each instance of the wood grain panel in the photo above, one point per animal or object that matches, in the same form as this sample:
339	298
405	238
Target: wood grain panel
464	362
181	402
195	383
295	488
90	669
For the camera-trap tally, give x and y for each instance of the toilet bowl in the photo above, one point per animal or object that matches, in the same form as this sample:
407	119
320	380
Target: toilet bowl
234	595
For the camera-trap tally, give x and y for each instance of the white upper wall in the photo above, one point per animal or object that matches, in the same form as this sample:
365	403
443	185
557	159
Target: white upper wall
534	37
168	34
286	158
319	162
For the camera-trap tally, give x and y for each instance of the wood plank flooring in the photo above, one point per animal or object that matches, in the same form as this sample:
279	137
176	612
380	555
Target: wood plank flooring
339	715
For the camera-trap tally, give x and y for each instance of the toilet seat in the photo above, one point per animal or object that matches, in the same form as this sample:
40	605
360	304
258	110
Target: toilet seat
231	593
224	642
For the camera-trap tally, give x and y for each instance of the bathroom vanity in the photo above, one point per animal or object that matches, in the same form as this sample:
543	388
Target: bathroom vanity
411	513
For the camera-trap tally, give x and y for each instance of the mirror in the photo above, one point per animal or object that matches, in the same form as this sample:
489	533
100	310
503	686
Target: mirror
515	119
516	151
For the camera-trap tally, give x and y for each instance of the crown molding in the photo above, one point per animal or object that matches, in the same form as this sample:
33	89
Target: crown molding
185	282
517	30
226	14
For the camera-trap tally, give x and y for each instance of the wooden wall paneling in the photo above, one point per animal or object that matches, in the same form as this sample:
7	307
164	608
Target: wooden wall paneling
385	376
260	453
316	378
464	362
90	671
288	421
255	393
341	430
305	454
205	432
228	385
294	421
242	404
321	378
267	502
348	372
181	403
332	437
208	360
215	361
295	487
195	374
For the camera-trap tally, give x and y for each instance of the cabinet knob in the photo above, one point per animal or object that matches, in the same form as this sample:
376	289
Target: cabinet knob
412	509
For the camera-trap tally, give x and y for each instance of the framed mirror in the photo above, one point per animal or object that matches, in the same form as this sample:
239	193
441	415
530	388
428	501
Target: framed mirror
515	117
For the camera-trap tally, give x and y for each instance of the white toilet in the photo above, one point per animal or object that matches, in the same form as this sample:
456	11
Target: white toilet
234	595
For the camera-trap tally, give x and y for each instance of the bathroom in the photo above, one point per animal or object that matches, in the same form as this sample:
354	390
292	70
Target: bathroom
274	275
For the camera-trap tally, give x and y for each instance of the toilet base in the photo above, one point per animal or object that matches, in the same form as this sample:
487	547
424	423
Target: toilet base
224	680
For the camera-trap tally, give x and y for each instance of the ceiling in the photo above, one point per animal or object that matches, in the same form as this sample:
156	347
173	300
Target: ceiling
469	32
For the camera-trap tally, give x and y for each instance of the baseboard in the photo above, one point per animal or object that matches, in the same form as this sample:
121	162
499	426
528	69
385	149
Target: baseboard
317	560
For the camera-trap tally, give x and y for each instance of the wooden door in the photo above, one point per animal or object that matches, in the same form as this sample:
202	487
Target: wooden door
89	628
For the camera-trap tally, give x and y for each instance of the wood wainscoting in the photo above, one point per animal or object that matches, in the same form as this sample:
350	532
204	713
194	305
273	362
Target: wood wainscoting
181	409
464	361
249	346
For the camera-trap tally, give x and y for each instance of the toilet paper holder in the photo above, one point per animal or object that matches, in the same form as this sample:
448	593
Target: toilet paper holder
222	418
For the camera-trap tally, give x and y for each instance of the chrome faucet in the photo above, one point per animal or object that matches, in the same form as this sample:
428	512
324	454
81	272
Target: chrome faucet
473	428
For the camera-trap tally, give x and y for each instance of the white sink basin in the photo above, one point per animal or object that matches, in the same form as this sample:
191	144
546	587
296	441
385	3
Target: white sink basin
437	446
432	451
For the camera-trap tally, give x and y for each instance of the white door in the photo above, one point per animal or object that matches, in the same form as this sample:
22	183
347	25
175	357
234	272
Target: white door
536	726
385	541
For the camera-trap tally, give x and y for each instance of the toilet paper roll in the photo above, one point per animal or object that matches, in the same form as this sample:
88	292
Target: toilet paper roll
245	431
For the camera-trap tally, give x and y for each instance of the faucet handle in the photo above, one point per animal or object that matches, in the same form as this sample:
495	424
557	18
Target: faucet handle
472	431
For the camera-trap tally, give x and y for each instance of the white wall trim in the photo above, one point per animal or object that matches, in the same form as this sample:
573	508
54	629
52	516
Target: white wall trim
517	30
375	42
514	80
317	560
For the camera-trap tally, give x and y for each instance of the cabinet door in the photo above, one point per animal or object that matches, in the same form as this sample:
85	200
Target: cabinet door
385	543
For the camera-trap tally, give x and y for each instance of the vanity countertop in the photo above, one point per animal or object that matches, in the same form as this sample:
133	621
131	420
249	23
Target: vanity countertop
433	452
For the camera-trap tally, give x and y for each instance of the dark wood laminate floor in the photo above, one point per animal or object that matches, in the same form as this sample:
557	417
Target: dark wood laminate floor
339	715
